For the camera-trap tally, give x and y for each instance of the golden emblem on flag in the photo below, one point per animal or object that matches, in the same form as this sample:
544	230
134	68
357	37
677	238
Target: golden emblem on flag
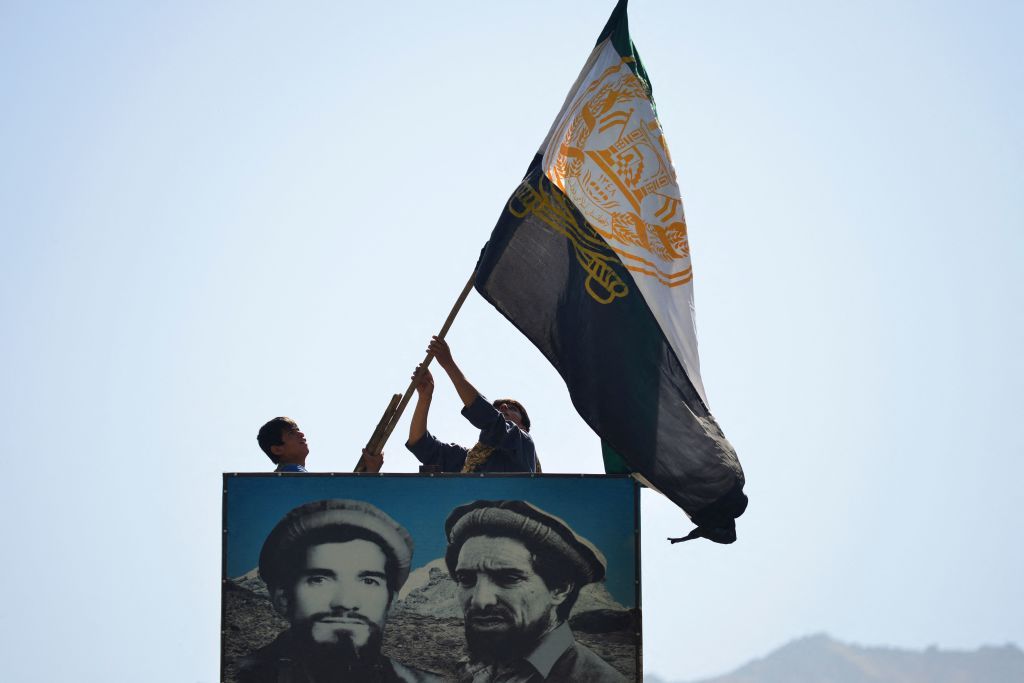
603	284
607	153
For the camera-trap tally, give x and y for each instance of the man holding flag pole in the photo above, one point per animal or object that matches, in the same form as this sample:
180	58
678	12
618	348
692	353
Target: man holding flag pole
504	444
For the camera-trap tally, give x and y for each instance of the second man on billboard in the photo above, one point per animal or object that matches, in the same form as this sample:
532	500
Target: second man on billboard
519	572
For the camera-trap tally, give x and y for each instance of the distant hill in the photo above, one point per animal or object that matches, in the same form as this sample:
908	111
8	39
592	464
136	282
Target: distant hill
820	659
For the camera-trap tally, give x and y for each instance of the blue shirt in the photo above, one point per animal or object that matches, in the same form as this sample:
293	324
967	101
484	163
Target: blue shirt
290	467
513	448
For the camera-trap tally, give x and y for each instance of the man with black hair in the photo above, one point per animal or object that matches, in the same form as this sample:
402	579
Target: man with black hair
332	569
519	572
504	445
285	445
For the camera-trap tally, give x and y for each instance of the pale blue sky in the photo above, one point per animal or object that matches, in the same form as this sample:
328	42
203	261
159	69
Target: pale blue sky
214	213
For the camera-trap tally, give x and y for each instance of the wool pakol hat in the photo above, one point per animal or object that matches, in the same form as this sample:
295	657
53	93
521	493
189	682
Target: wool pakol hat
333	514
537	529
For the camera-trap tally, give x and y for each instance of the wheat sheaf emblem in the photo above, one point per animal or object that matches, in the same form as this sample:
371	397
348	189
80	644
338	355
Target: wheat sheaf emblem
603	284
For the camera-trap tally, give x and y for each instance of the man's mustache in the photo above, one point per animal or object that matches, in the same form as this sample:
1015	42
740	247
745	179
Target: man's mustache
489	612
328	617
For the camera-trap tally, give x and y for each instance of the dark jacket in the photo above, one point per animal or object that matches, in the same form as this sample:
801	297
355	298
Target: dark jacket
281	662
513	448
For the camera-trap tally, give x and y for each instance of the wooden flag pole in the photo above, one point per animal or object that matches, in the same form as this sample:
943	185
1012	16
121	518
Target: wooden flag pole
382	425
393	412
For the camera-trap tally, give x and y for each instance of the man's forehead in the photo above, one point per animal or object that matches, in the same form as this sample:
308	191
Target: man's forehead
354	555
494	553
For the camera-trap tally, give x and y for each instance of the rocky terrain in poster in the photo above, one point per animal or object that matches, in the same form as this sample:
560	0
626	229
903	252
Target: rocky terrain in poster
424	627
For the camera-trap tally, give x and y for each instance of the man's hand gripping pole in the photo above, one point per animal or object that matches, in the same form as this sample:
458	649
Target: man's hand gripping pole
394	410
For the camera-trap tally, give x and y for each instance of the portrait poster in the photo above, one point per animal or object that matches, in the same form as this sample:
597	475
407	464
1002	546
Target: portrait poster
412	577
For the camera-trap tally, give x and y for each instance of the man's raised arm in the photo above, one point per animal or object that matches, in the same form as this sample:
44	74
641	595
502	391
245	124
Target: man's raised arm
467	392
424	394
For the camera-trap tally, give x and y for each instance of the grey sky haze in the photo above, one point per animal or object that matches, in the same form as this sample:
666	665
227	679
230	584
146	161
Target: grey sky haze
215	213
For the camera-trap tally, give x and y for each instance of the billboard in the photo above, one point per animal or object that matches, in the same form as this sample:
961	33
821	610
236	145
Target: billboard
337	577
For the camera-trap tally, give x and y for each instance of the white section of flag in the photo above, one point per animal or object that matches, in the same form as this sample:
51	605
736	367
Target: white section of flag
606	152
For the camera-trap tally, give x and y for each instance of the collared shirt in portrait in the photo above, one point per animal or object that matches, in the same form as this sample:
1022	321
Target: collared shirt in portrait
558	658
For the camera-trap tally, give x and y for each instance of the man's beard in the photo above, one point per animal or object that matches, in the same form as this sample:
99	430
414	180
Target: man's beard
325	660
502	645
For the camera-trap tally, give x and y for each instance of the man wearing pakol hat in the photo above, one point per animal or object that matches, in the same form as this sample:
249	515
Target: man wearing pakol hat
332	569
504	445
519	571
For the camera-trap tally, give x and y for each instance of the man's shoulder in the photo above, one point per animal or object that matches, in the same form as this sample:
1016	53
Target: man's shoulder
580	663
263	665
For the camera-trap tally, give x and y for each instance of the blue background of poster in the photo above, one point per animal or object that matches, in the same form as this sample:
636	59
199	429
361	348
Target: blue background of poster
601	509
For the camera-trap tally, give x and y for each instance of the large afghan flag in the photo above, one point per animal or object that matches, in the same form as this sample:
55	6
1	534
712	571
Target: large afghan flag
590	260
